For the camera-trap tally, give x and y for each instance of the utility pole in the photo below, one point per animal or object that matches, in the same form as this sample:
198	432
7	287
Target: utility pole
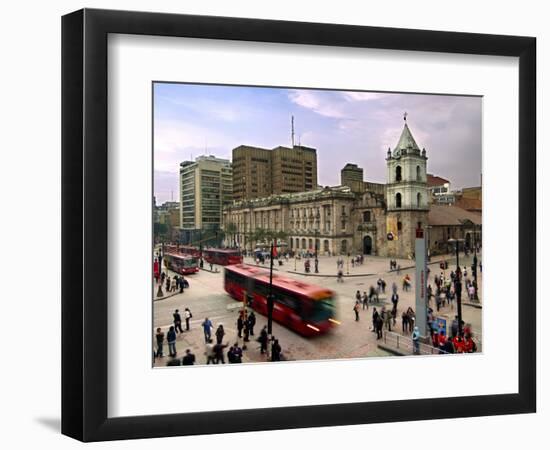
292	131
270	303
458	286
474	266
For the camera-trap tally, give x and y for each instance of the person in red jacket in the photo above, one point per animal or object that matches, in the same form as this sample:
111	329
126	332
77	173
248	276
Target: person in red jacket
469	345
458	343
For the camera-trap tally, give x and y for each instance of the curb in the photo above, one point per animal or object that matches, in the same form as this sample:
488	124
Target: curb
166	297
473	305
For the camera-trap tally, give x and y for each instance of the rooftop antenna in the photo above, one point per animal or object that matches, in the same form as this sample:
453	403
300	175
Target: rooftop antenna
292	130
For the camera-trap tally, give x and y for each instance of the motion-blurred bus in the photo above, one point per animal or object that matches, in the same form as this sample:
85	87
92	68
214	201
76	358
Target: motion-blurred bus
222	256
182	264
305	308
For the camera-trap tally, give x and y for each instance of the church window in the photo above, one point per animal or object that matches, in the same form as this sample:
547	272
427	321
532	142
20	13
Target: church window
418	200
366	216
418	174
398	200
398	173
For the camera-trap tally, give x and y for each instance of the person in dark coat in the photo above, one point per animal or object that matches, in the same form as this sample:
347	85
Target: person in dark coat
160	343
177	321
379	326
263	340
171	338
218	352
251	323
220	333
188	359
174	362
375	316
276	351
240	325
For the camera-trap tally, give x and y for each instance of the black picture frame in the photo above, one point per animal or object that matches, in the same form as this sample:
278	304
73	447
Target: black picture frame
84	224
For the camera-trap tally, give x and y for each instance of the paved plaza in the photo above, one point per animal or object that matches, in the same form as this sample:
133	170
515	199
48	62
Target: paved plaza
206	297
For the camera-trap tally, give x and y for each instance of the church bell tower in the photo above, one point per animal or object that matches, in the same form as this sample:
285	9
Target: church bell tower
407	194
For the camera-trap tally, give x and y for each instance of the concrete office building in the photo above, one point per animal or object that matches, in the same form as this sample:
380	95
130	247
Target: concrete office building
205	188
260	172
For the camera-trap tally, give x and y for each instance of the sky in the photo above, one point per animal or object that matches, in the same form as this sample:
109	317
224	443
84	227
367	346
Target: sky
344	126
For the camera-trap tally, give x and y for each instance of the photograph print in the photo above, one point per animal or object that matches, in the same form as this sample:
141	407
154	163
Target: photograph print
294	224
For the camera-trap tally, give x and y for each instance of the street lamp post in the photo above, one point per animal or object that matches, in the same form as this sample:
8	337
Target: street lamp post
316	252
458	286
474	266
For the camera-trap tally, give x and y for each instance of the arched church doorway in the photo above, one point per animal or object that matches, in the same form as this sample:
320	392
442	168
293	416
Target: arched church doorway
367	245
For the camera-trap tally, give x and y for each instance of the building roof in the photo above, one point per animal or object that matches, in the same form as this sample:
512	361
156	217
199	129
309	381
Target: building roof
451	215
469	204
406	140
434	180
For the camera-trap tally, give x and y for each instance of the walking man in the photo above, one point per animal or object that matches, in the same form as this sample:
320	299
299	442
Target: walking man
177	321
263	340
207	327
251	322
160	343
171	338
356	310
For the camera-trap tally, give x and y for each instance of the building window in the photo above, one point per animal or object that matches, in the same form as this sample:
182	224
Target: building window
399	226
418	174
343	210
398	200
291	243
303	243
418	200
325	245
344	246
398	173
366	216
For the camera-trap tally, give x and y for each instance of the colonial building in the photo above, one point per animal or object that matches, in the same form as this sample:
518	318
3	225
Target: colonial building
357	216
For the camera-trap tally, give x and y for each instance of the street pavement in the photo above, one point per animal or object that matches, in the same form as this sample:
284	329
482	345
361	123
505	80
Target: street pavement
206	297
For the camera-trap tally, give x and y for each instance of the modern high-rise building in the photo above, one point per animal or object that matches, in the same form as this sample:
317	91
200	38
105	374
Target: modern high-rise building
352	176
205	188
260	172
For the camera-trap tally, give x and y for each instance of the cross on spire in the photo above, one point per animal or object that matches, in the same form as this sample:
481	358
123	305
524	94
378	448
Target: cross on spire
405	114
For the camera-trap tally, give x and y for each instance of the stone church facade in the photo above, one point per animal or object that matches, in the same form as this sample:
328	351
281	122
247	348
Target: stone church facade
367	218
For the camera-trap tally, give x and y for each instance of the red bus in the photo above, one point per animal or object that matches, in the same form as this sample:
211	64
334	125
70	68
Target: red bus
222	256
182	264
305	308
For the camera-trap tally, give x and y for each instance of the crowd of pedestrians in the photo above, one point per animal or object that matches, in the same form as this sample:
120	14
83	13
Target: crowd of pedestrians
217	349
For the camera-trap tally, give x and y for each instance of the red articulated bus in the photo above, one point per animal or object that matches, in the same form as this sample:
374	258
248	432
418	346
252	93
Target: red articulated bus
182	264
305	308
222	256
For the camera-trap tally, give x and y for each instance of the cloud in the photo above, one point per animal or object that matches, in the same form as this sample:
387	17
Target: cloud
362	96
317	103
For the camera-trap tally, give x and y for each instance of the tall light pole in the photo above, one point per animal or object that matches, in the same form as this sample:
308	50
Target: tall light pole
458	285
474	266
316	232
